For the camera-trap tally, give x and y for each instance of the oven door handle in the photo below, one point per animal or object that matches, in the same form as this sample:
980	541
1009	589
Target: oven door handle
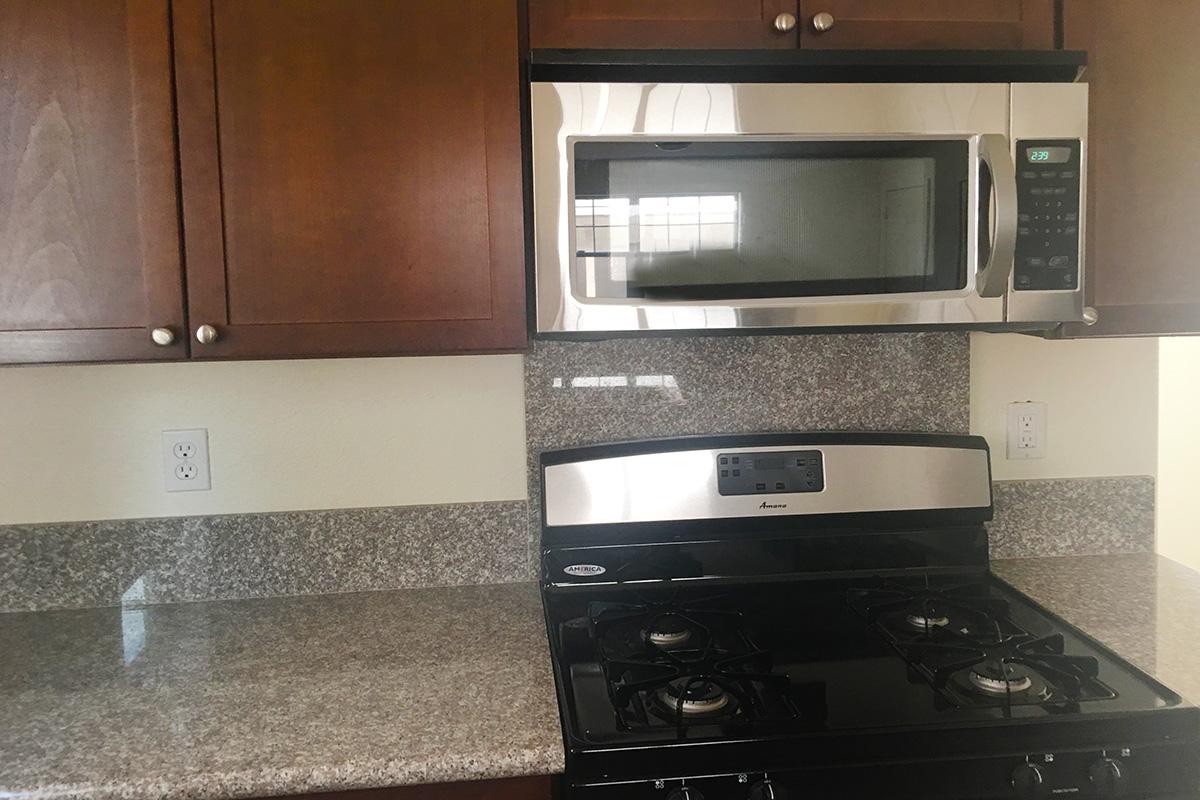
993	275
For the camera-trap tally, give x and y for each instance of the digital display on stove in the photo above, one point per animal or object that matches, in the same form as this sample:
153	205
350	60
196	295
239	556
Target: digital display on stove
782	472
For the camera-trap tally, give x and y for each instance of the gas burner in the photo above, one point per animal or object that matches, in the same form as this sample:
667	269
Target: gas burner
925	620
694	697
1018	669
630	631
902	612
675	666
668	631
990	678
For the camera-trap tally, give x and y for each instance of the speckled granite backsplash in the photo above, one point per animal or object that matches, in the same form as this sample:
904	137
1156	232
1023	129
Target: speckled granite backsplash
1073	516
150	561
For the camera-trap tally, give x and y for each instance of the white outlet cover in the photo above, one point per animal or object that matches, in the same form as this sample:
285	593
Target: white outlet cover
1026	431
185	460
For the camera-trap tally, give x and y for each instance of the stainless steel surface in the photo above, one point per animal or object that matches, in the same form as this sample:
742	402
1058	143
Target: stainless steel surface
682	485
785	22
206	334
162	336
564	113
994	276
1053	111
1090	316
823	21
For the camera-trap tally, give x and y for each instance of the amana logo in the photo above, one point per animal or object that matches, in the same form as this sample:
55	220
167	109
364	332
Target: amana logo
764	505
585	570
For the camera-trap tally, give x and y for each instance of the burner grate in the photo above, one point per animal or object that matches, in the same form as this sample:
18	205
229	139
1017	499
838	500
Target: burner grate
668	665
905	612
961	640
1015	669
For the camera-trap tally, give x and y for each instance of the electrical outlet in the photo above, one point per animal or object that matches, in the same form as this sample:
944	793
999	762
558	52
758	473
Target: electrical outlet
185	461
1026	430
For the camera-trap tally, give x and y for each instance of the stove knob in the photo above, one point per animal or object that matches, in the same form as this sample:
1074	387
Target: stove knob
1029	783
1109	778
768	791
685	793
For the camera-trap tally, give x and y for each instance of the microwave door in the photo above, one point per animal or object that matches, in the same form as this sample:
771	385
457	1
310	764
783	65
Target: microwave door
669	207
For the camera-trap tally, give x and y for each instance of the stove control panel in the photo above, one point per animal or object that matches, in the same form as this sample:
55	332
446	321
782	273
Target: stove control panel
780	472
1048	199
1164	770
1099	775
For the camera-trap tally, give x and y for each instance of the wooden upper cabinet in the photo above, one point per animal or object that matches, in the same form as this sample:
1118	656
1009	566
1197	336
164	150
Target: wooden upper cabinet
841	24
1144	163
351	175
661	24
89	234
928	24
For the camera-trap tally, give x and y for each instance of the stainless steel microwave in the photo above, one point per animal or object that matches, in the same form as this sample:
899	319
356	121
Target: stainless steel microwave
718	206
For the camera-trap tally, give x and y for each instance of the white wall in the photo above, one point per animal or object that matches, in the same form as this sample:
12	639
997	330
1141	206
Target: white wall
83	442
1101	396
1178	501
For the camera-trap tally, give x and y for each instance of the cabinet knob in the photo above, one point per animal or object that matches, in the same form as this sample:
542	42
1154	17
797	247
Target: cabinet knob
162	336
823	22
1090	316
206	334
785	22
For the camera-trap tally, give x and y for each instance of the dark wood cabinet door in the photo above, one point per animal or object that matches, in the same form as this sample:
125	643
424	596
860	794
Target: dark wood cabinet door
351	176
660	24
1143	163
928	24
89	225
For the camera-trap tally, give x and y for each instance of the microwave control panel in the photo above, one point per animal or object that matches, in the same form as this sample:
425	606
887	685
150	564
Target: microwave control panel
1048	212
770	473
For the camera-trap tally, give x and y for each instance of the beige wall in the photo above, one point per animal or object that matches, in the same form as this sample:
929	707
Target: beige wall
83	442
1101	396
1178	500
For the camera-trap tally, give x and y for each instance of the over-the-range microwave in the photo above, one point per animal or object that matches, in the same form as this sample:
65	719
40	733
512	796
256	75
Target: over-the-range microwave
697	205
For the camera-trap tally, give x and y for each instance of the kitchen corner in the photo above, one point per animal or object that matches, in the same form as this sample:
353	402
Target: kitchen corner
599	400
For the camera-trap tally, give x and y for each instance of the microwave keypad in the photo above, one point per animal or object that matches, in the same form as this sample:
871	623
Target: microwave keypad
1048	191
770	473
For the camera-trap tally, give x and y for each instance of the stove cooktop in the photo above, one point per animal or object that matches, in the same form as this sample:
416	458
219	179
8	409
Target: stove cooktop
762	678
838	638
696	663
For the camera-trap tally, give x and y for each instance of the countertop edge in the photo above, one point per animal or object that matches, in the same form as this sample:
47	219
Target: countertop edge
283	782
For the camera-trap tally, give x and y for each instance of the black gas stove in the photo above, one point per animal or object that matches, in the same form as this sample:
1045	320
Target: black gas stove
726	624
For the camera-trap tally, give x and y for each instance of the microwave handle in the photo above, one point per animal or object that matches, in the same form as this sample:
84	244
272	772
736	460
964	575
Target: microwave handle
992	277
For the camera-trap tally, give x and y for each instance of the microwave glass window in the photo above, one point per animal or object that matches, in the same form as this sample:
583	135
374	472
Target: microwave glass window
728	220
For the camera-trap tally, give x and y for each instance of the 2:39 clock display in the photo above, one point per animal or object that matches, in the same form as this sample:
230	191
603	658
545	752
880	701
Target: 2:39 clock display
1048	155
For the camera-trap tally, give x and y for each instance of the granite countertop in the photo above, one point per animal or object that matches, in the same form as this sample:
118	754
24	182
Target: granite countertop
1143	606
277	696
